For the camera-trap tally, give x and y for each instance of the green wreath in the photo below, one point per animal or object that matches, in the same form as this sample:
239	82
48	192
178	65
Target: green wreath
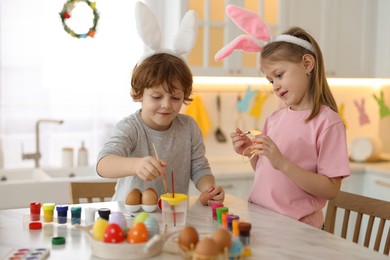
66	13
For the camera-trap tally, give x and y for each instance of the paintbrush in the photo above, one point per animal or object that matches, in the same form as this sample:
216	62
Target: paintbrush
162	177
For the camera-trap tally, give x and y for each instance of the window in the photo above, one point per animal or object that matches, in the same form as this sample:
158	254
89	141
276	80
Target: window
45	73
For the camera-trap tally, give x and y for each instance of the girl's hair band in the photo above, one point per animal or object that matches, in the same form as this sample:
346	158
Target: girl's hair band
294	40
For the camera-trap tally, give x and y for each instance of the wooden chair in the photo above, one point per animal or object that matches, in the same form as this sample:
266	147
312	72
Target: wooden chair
372	208
91	191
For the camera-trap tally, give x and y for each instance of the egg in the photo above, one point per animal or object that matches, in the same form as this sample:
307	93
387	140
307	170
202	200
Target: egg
152	225
118	218
113	234
138	233
236	247
149	197
223	239
207	247
99	227
141	217
133	197
188	238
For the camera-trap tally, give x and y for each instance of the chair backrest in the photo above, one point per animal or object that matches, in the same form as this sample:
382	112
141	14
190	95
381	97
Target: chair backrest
91	191
362	206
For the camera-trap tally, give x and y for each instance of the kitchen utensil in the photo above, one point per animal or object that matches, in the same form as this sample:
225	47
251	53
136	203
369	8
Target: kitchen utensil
218	132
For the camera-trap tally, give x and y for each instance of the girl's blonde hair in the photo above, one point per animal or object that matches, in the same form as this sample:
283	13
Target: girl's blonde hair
165	70
284	51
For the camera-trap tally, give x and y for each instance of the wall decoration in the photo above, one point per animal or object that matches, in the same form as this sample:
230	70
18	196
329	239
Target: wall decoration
383	108
257	108
363	117
244	103
66	14
342	114
197	110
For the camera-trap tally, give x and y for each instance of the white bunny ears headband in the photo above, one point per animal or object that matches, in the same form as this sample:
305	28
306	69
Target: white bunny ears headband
258	35
149	31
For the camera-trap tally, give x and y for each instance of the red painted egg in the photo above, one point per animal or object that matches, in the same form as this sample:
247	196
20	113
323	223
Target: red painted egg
113	234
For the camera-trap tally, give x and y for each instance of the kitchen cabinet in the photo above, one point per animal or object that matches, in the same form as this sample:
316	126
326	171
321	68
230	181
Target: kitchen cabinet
344	29
216	30
377	185
383	40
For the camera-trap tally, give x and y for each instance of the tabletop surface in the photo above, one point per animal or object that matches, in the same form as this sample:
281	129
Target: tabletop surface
273	236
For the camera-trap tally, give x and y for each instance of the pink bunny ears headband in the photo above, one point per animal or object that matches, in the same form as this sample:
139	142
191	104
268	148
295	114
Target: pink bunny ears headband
258	35
149	31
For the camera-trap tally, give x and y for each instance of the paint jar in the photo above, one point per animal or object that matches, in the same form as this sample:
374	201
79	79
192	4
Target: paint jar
213	208
235	230
35	211
174	209
245	229
62	214
48	211
90	216
219	213
75	215
104	213
230	219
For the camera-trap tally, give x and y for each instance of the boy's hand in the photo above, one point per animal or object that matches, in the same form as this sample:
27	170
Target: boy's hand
214	194
149	168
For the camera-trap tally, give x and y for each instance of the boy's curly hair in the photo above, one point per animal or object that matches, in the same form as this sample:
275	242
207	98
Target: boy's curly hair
165	70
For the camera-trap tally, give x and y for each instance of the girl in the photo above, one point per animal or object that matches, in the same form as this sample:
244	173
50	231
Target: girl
301	155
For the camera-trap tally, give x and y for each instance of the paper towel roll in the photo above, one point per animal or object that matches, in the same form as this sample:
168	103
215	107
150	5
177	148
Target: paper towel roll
365	149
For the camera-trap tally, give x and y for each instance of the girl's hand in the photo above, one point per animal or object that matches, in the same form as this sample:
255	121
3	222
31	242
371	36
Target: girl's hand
149	168
265	146
241	142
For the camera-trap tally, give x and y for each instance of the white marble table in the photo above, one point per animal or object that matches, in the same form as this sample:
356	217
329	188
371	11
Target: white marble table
273	236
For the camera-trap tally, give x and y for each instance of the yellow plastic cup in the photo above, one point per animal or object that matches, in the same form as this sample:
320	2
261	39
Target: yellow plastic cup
48	211
174	209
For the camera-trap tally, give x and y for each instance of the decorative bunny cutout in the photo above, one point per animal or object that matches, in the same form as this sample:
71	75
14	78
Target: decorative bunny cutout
257	108
243	104
342	114
383	108
363	117
249	22
149	31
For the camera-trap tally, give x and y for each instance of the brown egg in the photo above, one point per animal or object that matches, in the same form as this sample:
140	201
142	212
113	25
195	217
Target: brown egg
204	198
134	197
188	238
149	197
207	247
223	239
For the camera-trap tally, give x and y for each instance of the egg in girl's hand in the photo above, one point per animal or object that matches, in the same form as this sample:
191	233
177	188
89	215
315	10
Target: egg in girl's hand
117	217
138	233
206	247
99	227
188	238
113	234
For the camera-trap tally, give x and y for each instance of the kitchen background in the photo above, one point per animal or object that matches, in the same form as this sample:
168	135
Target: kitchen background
48	74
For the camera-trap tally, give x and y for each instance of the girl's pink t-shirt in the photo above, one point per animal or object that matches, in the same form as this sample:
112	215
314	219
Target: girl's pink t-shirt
319	146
